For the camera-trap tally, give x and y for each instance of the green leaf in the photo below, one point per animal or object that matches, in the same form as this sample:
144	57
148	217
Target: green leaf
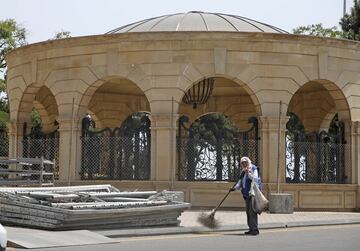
4	118
12	35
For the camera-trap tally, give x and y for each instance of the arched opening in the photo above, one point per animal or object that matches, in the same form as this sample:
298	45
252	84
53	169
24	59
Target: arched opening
211	147
115	100
213	135
116	133
316	149
38	112
227	97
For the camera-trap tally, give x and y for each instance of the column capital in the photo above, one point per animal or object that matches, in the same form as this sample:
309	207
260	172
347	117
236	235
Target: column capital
355	126
68	124
164	121
271	123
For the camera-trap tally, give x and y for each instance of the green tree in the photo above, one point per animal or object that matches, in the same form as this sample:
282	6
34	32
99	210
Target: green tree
350	23
295	124
3	98
12	35
62	34
213	127
320	31
35	118
213	131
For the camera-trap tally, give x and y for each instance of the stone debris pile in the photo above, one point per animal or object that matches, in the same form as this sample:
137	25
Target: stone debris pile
89	207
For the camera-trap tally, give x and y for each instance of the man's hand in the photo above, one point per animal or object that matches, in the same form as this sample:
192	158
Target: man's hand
246	169
232	189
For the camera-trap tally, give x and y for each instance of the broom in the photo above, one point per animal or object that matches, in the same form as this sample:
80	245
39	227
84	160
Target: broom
208	220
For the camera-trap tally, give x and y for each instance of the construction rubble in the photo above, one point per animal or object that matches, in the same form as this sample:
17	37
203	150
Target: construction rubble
88	207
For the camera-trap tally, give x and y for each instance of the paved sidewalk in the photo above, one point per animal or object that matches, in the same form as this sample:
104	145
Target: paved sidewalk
229	221
236	220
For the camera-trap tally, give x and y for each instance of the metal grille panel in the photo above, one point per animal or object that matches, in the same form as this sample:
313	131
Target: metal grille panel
48	148
311	162
125	158
200	161
212	150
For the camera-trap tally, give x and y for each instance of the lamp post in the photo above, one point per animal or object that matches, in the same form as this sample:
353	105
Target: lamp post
280	202
344	8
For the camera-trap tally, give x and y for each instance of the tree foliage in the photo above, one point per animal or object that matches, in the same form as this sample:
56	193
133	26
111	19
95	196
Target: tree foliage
320	31
350	26
350	23
295	124
62	34
35	118
3	98
213	127
12	35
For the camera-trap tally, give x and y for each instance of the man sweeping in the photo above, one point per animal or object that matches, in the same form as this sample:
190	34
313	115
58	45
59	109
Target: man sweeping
249	173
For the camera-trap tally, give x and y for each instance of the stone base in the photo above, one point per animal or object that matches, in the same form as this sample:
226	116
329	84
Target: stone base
281	203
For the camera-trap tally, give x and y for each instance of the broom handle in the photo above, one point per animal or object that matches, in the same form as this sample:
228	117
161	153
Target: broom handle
221	202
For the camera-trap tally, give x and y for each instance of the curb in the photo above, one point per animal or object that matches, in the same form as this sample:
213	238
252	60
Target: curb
241	227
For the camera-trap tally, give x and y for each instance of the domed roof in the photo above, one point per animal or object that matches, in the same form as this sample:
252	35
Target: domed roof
198	21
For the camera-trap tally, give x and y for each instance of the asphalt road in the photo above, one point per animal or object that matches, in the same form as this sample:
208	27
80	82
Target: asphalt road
340	237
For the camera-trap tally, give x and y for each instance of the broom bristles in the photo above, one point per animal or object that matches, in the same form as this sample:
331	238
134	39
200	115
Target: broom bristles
208	220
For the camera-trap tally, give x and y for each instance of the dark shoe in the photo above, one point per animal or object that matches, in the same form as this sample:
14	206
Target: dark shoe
252	232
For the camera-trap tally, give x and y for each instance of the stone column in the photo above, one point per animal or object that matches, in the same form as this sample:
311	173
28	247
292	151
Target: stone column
14	129
16	136
163	147
269	127
69	154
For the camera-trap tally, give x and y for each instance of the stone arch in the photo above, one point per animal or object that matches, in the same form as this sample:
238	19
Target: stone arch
42	99
314	100
112	99
271	83
325	124
230	96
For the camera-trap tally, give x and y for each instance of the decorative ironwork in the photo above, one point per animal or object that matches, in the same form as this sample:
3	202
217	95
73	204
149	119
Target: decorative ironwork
315	157
38	144
120	153
214	152
199	93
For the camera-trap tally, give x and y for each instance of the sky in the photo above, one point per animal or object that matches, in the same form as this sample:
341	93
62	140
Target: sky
43	18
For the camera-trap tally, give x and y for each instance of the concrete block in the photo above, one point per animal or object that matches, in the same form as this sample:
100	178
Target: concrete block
281	203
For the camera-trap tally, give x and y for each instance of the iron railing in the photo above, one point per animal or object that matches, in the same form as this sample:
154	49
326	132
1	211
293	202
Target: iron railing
198	160
312	162
4	145
123	158
37	144
214	154
116	153
48	148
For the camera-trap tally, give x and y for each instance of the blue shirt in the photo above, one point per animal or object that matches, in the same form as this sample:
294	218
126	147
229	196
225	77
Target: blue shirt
245	180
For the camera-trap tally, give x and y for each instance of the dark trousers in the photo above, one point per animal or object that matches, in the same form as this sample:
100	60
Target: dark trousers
252	217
